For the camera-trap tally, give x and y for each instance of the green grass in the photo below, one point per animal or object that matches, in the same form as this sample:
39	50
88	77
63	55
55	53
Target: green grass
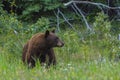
87	56
77	60
71	70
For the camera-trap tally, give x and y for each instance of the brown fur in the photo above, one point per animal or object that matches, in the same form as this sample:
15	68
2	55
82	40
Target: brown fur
40	46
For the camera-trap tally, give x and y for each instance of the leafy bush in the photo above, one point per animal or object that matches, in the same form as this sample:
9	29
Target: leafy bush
102	27
10	33
41	25
31	10
103	37
9	23
14	34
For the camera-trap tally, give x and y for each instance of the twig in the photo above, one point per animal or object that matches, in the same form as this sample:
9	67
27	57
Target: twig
58	22
118	36
16	33
79	10
75	10
66	20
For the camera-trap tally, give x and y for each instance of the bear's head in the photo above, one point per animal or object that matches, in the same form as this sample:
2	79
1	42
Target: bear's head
52	40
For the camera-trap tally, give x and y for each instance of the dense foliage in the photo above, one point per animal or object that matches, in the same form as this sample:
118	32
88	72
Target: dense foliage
31	10
91	55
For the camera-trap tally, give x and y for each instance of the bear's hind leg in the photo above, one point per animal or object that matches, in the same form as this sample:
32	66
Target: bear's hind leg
31	63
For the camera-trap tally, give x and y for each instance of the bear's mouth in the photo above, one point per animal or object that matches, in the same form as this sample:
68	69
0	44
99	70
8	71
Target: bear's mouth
59	44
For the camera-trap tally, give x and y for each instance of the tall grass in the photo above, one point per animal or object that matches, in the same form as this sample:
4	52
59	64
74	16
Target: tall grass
85	57
75	61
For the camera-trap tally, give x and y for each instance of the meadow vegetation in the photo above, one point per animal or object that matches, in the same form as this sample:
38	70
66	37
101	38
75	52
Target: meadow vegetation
87	55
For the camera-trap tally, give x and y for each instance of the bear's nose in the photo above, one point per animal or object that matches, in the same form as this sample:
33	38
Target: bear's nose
62	44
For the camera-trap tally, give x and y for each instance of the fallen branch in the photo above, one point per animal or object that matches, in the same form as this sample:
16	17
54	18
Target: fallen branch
88	2
66	20
79	10
75	10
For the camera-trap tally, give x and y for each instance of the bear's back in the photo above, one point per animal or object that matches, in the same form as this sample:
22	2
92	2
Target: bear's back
37	40
38	35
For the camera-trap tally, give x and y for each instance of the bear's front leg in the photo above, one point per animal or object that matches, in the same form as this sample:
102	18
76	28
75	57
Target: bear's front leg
42	59
52	58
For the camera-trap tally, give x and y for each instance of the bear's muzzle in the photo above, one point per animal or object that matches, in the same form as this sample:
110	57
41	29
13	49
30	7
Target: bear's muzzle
60	44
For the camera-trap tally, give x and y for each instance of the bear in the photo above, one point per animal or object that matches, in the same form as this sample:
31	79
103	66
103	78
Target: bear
40	46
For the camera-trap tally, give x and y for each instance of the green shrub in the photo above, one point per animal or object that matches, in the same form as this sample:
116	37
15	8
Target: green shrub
41	25
103	37
102	26
9	23
14	34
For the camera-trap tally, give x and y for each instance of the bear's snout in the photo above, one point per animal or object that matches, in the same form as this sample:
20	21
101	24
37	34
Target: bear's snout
60	44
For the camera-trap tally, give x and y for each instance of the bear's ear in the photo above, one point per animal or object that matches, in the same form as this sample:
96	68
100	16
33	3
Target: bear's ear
53	31
47	33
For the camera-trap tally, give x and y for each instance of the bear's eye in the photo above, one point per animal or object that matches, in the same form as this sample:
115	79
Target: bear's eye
56	38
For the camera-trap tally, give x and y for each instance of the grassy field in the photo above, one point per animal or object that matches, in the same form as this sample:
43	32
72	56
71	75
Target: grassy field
77	60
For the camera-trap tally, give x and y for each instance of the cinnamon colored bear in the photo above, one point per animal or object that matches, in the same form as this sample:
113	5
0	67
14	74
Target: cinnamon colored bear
40	46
